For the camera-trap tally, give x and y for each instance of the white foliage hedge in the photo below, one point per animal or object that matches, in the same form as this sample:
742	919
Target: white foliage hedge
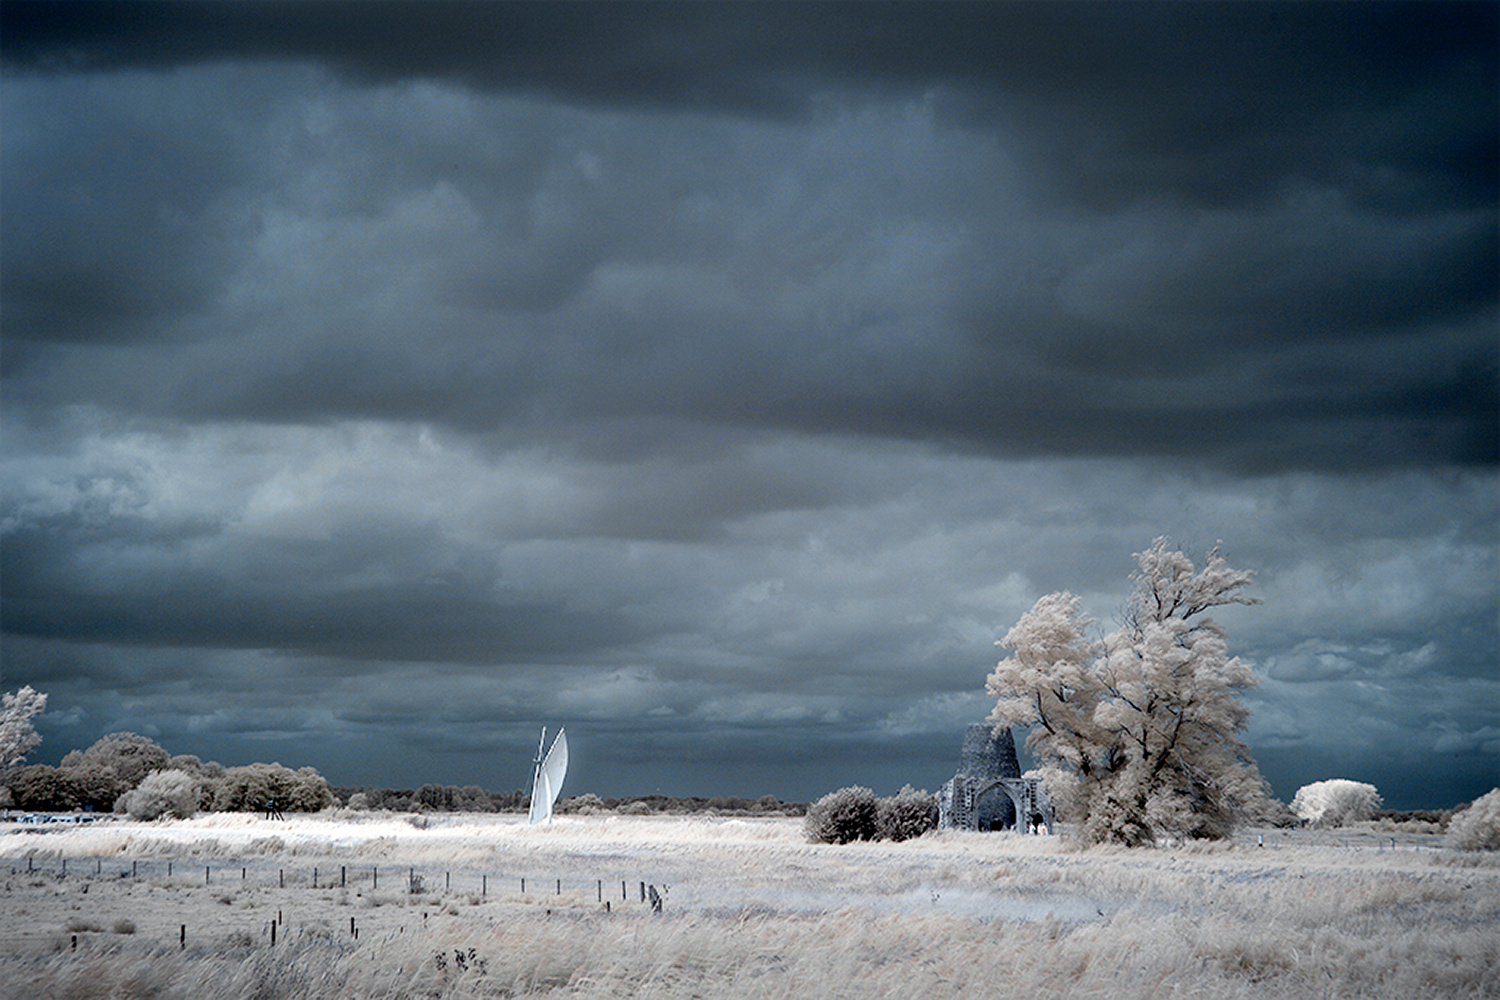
1476	828
1335	802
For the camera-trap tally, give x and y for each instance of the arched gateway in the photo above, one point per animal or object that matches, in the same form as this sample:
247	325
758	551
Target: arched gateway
988	792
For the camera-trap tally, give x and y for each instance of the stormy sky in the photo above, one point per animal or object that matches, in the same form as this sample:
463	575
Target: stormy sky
383	382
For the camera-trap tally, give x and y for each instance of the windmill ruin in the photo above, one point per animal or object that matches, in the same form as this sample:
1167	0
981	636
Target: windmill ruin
988	792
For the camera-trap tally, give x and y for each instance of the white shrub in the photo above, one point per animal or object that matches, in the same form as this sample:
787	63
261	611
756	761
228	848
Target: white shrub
161	793
842	817
907	814
1335	802
1477	828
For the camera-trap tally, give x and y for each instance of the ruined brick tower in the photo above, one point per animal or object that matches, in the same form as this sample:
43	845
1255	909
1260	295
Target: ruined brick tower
988	792
988	755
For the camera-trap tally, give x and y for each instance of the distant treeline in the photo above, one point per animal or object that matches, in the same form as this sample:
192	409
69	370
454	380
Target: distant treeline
101	778
431	798
1437	818
471	798
106	776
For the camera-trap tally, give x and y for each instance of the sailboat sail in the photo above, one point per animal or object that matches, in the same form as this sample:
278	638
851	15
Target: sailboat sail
550	771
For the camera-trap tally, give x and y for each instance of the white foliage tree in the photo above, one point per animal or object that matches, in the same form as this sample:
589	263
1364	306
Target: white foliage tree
1137	732
18	737
1335	802
1477	827
162	793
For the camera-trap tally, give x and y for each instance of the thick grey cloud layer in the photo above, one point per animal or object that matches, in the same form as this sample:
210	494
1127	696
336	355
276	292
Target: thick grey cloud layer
723	380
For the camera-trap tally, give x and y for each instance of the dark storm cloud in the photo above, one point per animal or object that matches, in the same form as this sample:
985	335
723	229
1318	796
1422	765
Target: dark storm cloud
124	230
354	595
382	380
1181	97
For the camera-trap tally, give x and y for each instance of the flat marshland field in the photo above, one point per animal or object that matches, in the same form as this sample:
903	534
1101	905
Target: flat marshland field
749	909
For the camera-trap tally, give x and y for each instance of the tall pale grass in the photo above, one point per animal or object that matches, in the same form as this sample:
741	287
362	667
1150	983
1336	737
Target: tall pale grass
757	912
843	954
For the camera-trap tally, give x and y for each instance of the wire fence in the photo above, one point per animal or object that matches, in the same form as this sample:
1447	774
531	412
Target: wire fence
420	886
409	879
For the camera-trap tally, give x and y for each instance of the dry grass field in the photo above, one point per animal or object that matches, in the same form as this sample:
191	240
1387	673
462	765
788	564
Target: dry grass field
188	910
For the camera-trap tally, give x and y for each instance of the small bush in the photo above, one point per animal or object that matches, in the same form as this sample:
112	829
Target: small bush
1476	828
124	926
842	817
587	804
907	814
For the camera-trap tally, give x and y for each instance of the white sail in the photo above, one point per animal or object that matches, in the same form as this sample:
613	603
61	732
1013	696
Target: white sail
550	771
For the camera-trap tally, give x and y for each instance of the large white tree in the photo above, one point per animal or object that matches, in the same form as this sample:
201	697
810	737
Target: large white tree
1137	731
18	737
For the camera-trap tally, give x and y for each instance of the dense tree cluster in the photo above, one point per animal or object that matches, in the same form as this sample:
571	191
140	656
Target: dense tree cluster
256	786
129	773
1137	731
